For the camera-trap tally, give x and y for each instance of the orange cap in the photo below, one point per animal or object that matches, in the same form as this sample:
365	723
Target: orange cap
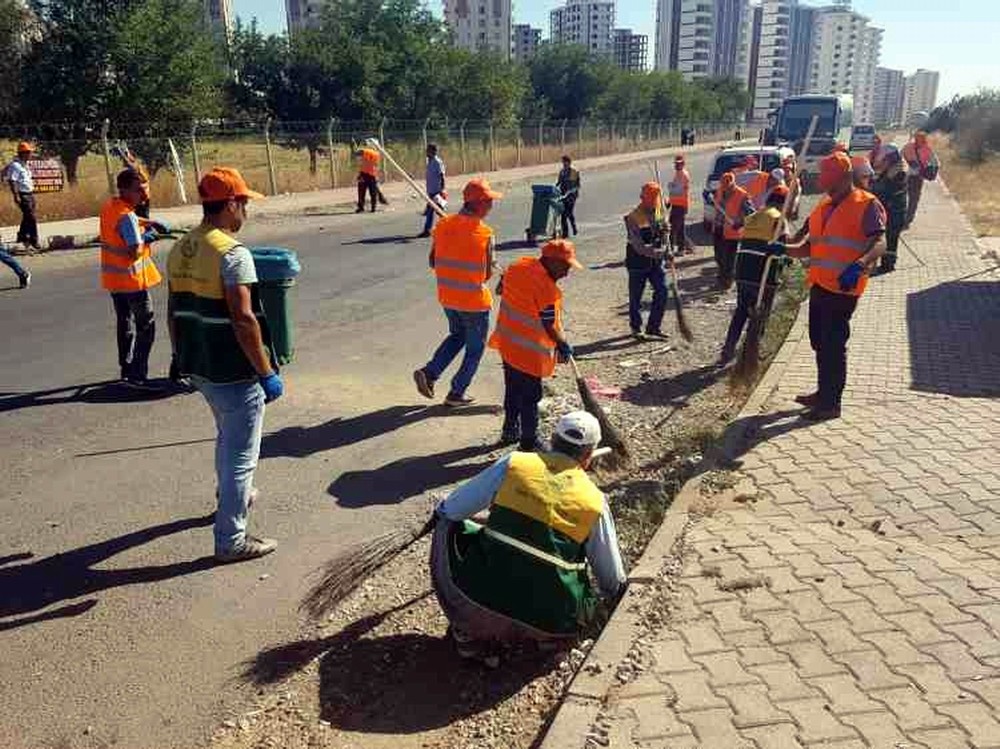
25	147
727	180
561	249
679	159
478	190
779	191
832	169
225	183
650	194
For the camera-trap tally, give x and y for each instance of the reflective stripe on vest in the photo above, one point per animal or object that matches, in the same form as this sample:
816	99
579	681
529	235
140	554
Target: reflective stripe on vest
461	253
839	241
515	338
520	336
459	285
529	549
122	271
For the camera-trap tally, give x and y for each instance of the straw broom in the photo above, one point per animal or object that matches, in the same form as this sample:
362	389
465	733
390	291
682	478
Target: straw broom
346	571
610	435
682	323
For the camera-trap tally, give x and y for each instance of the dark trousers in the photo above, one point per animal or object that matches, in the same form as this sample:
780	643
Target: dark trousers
725	258
894	227
521	394
656	276
429	214
914	188
829	329
27	232
678	227
568	216
367	183
136	332
746	300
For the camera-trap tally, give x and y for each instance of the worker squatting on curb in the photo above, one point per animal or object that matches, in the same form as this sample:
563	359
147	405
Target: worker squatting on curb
547	521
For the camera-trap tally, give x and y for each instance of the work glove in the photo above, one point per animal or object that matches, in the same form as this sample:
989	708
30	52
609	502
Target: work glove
273	387
777	248
150	235
850	277
565	351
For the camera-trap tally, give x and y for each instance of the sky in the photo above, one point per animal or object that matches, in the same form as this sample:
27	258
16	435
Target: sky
931	34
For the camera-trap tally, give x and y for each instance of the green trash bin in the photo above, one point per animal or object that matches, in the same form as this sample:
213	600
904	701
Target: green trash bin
276	272
545	206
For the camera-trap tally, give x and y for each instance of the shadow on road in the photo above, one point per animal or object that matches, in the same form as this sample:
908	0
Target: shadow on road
516	244
955	339
670	390
36	585
393	239
613	344
301	442
108	391
407	477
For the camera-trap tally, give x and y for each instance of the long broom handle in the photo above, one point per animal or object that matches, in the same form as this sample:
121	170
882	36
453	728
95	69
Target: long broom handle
670	255
373	142
576	369
786	206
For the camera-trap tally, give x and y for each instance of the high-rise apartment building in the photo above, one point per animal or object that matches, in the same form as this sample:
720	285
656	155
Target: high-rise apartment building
586	23
749	52
220	17
774	60
889	88
303	14
845	57
631	50
700	38
480	24
920	93
525	41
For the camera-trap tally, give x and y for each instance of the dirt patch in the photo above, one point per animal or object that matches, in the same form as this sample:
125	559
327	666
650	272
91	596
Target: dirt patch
380	671
967	183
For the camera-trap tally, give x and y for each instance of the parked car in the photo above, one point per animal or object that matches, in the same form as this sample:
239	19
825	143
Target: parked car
862	137
730	157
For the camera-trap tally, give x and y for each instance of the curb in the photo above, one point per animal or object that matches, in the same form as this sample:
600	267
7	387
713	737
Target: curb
585	696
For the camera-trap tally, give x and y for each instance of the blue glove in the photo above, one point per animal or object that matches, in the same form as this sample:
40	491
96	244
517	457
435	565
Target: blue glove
777	248
565	351
849	278
273	386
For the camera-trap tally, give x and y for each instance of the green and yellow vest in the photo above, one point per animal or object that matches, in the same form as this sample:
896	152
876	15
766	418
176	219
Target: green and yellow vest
529	561
204	338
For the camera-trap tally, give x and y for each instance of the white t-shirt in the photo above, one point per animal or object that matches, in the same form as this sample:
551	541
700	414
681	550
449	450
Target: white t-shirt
19	175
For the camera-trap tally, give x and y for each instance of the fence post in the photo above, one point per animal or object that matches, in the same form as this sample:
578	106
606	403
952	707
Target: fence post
597	139
330	152
196	161
562	135
270	157
517	142
381	139
541	139
424	131
461	137
105	127
493	153
579	137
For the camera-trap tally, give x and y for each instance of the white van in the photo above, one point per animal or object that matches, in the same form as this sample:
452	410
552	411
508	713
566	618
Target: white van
862	137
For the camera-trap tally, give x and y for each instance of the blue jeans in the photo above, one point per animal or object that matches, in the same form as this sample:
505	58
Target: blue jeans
11	263
238	408
465	330
637	279
429	215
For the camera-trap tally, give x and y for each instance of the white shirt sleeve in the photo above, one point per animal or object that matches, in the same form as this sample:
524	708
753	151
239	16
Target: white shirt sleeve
604	555
476	494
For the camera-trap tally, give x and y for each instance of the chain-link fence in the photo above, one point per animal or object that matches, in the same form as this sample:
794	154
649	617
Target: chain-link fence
283	157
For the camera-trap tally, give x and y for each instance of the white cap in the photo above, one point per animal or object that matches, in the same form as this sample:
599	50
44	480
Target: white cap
778	174
579	428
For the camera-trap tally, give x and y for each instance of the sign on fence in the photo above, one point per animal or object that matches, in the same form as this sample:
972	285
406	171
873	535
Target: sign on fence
47	173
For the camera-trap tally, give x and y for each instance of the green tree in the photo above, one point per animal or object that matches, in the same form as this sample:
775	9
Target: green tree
569	80
16	29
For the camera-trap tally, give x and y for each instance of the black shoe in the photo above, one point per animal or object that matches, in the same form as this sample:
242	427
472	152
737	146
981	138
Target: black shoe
425	385
809	401
25	281
821	414
638	334
140	383
359	209
725	358
508	438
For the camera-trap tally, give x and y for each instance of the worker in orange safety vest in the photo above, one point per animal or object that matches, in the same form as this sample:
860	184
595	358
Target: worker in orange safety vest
462	259
369	160
843	241
679	189
529	336
732	206
128	273
922	165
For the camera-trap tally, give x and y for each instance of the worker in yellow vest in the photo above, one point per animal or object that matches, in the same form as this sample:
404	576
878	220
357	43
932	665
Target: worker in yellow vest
529	336
128	273
523	575
843	241
462	260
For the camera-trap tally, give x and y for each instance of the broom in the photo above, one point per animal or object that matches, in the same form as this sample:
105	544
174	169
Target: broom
609	433
682	323
374	143
346	571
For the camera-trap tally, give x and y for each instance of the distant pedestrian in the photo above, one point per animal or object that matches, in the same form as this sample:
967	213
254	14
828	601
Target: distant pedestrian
22	186
568	183
435	187
462	260
369	161
128	272
922	165
679	188
23	276
646	247
223	343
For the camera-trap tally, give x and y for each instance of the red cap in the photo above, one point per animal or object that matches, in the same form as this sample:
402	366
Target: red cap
25	147
832	169
679	159
561	249
224	183
478	190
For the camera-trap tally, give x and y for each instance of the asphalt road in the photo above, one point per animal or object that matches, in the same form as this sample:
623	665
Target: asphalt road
115	626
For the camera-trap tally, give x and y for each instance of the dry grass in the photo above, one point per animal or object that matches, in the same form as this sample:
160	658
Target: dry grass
292	173
972	186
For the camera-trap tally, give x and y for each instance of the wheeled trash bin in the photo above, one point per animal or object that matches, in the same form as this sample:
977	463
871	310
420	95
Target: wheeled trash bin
277	268
546	206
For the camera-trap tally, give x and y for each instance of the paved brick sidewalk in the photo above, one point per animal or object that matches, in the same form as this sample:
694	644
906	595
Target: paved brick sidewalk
850	596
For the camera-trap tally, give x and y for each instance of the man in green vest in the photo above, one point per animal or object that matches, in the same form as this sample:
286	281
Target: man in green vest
523	575
222	343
